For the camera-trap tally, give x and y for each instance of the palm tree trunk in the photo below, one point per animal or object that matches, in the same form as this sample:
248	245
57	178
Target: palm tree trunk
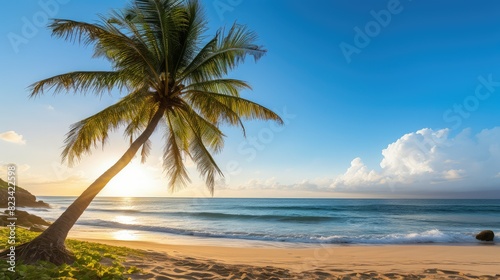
49	246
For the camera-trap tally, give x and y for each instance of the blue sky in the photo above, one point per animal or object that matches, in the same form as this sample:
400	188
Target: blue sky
381	99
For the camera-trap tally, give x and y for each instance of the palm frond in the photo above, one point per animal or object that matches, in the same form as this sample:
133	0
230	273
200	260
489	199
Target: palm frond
166	18
213	110
97	82
140	120
77	31
201	133
225	86
223	53
176	143
131	21
109	42
190	37
229	109
146	149
94	130
209	133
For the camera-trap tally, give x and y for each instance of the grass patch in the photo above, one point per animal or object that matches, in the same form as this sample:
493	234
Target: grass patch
93	261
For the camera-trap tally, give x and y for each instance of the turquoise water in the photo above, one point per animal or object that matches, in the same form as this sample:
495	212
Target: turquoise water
291	221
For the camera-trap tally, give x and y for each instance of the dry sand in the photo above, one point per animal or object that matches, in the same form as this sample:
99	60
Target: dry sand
162	261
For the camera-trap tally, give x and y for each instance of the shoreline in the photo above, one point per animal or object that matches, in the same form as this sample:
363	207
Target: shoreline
440	261
87	232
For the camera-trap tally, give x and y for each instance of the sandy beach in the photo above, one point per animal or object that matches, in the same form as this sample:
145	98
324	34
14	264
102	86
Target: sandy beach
162	261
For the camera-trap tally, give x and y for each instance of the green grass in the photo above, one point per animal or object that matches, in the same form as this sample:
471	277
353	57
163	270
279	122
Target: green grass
5	185
87	265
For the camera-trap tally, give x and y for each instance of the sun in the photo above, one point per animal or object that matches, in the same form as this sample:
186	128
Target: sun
132	181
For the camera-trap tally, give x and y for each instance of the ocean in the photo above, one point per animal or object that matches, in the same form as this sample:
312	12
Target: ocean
282	222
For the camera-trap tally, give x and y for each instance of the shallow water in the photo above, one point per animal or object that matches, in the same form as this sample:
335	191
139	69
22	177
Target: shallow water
283	221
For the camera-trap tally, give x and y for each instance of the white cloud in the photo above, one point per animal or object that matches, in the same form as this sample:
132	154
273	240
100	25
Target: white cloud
273	184
269	183
50	108
453	174
430	157
13	137
425	160
357	175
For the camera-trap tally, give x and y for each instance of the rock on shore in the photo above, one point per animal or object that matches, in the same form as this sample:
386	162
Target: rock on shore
25	219
485	235
23	197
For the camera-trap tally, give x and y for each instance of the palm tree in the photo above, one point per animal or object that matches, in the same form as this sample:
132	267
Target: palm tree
173	81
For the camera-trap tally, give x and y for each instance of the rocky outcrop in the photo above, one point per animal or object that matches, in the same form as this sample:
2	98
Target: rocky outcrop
23	197
485	235
24	219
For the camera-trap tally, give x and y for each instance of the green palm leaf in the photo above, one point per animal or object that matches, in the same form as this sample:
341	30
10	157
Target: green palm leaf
84	82
94	130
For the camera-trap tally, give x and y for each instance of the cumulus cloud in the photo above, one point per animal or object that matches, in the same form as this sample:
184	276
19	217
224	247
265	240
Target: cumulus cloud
274	184
357	175
425	160
431	157
13	137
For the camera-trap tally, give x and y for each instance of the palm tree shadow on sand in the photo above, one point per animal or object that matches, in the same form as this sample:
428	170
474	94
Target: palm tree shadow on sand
173	81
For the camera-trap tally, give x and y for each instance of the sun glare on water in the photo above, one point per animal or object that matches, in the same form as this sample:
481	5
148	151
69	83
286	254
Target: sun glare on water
126	235
128	220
